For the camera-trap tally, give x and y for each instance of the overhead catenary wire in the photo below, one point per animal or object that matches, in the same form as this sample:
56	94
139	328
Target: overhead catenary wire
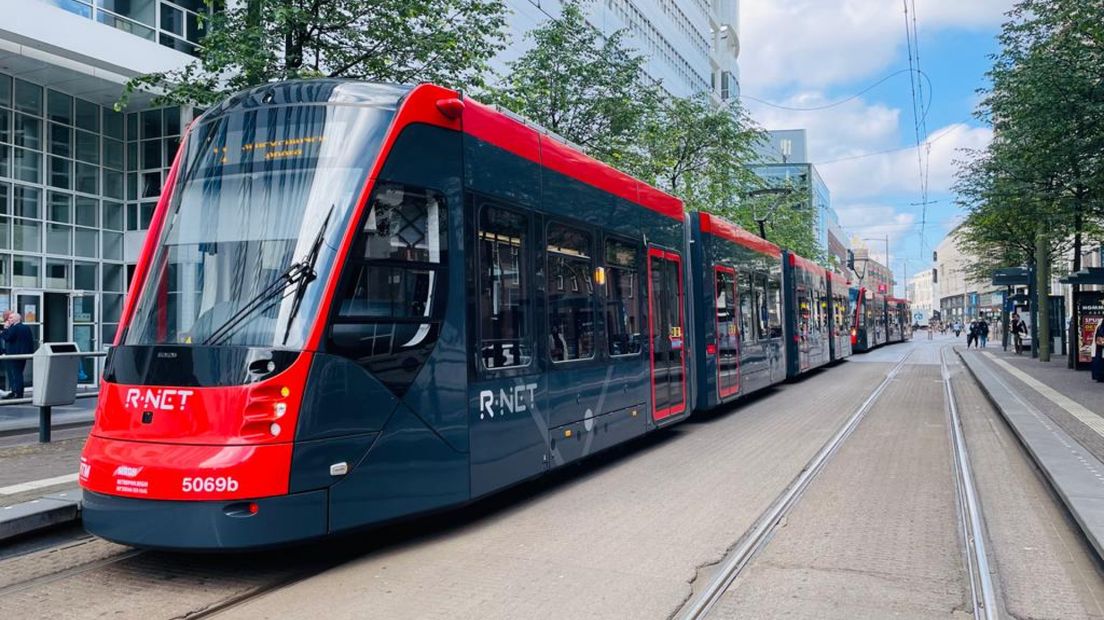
919	113
836	104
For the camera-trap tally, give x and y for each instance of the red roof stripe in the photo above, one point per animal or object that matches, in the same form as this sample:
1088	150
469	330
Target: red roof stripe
835	277
807	264
490	125
720	227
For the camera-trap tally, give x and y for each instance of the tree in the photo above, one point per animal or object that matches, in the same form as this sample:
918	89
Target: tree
1045	167
588	88
697	150
404	41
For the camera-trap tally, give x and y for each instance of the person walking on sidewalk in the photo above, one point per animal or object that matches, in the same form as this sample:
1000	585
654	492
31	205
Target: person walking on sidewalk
972	333
958	328
1018	330
1098	353
19	341
983	332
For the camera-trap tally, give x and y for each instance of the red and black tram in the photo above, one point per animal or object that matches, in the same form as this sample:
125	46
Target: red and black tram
360	302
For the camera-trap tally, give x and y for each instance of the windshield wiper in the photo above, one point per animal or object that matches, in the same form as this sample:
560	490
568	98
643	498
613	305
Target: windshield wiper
298	274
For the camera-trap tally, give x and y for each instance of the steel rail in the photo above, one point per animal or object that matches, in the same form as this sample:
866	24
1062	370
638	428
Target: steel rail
982	588
760	534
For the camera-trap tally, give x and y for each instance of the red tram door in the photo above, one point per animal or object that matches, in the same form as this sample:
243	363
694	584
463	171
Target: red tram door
668	334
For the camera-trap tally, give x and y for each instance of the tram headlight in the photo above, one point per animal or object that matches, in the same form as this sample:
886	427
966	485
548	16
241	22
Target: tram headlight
274	428
280	409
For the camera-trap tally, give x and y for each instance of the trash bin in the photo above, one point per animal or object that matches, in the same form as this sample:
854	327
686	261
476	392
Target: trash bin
55	376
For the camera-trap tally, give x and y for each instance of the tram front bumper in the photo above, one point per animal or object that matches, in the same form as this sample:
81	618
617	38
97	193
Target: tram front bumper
206	525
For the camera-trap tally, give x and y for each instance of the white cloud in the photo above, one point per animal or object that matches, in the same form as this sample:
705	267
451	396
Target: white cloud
876	221
818	42
899	171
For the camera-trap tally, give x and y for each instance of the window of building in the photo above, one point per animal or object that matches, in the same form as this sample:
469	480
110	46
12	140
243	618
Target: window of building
623	326
504	301
570	287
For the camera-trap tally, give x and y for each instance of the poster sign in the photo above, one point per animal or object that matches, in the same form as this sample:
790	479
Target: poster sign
30	313
1090	312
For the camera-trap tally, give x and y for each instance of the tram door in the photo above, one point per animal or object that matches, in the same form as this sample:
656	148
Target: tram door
665	322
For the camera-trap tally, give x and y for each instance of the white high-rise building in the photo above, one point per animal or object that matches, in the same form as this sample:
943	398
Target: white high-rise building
691	46
78	180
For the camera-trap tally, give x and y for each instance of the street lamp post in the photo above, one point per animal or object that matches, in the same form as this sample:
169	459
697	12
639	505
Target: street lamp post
781	192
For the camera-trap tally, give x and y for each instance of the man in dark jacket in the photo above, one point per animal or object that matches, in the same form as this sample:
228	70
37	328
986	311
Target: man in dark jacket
18	340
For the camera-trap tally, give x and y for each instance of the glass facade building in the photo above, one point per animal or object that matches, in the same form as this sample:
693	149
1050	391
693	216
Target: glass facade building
75	176
805	178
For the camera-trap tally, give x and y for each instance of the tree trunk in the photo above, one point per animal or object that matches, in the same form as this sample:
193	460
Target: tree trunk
1074	336
1042	293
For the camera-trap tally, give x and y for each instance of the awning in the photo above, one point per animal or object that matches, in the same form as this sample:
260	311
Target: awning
1092	275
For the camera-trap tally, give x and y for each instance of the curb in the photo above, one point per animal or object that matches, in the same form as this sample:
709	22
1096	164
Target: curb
1055	456
39	514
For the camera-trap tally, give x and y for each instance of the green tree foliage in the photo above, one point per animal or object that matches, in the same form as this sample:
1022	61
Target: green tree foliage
1045	164
588	88
698	151
448	42
591	89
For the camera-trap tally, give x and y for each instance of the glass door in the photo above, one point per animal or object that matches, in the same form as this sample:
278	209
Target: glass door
83	333
667	337
29	305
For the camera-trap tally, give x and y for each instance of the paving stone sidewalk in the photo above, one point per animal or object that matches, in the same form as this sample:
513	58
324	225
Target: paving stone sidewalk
1073	389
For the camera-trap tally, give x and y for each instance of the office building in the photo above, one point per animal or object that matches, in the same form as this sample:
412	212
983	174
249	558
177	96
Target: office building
78	180
784	162
921	292
690	46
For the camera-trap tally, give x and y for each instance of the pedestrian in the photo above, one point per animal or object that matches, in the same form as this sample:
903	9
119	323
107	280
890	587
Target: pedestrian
972	333
1018	330
18	340
958	329
1098	353
983	332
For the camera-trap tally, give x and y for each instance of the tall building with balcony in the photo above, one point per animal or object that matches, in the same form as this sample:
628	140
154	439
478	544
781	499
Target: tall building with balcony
79	180
690	46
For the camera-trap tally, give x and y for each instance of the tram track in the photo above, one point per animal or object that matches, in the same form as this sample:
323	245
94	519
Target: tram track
757	538
971	519
74	573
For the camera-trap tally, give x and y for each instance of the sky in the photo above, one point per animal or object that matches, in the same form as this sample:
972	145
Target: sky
813	53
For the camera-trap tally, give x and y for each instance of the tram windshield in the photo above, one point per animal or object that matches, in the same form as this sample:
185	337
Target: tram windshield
262	199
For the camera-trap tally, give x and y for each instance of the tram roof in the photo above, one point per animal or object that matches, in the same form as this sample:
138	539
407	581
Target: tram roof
806	264
719	227
837	277
518	136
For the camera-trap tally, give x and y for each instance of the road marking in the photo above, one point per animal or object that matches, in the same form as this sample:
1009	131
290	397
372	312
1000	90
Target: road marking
37	484
1074	408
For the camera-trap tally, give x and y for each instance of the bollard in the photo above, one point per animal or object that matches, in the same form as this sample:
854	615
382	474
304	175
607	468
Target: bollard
44	424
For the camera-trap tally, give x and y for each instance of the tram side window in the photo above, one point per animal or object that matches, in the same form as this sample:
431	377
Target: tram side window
392	295
774	304
622	300
504	309
725	303
570	294
747	326
804	310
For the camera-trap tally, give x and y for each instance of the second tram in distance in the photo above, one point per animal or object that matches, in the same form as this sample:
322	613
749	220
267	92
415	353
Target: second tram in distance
360	302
